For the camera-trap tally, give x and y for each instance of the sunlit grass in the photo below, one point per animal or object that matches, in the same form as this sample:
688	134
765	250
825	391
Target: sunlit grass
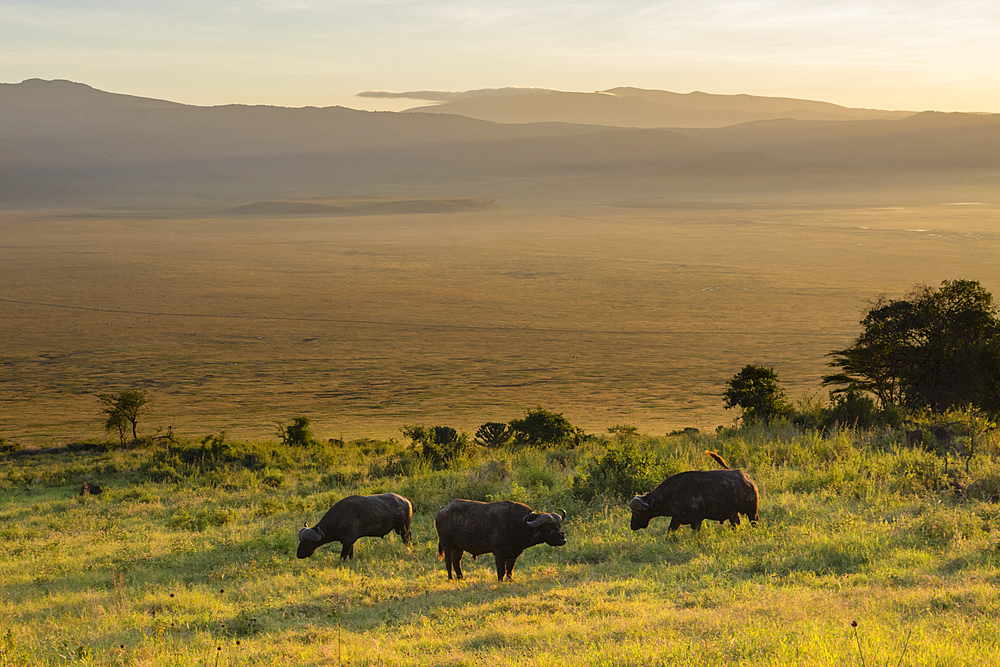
203	572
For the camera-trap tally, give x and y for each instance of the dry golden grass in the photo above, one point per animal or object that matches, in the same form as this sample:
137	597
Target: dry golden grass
365	323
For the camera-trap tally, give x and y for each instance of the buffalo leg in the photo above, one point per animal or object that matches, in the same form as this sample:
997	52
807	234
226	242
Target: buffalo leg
347	551
447	560
510	567
456	558
675	523
404	533
734	520
505	565
696	525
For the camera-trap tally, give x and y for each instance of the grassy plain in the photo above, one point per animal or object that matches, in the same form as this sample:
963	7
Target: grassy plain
608	314
201	571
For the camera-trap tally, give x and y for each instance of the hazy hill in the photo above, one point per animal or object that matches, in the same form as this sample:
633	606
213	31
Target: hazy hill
630	107
926	140
60	141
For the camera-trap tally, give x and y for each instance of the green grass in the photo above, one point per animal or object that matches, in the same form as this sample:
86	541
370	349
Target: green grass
201	571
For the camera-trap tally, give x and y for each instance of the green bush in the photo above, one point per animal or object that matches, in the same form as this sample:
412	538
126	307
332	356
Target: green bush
542	428
755	390
296	434
622	471
852	409
441	446
494	435
8	447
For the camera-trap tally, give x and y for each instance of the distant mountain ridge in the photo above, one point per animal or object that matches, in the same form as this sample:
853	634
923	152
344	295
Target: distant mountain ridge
629	107
62	141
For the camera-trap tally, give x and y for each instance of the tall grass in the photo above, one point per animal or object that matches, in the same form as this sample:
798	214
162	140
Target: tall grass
199	569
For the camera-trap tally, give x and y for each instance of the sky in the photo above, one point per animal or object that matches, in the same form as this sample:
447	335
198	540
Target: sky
887	54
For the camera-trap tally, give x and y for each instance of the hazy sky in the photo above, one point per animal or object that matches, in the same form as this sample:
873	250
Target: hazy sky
890	54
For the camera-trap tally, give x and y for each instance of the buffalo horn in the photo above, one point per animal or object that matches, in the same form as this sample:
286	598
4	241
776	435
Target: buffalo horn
540	521
310	534
563	517
638	503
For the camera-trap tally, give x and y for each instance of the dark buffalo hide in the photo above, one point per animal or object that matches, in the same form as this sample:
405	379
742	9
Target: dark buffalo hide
504	528
358	516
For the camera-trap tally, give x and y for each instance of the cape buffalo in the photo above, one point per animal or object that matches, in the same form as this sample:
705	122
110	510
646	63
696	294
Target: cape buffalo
358	516
505	528
693	496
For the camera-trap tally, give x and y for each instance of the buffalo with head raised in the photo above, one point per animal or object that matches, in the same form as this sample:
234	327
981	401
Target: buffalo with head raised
504	528
691	497
358	516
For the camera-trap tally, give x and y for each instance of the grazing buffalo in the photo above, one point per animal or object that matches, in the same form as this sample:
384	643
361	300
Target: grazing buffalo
89	489
506	528
696	495
358	516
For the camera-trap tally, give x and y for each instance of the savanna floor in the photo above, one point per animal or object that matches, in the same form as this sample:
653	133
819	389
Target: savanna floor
606	314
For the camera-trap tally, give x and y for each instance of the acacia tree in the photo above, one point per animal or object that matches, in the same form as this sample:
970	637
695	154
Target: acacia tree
121	410
755	389
936	349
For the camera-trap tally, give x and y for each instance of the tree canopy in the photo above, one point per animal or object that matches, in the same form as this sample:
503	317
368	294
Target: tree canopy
935	349
122	410
755	389
543	428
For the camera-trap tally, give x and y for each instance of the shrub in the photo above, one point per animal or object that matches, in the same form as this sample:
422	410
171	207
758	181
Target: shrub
8	447
296	434
852	409
439	445
542	428
755	390
622	471
214	452
494	435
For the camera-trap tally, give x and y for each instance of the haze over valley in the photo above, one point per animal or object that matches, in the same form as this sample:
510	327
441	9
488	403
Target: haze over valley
613	256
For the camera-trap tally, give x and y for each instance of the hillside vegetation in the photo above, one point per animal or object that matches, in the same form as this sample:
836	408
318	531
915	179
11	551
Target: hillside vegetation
187	557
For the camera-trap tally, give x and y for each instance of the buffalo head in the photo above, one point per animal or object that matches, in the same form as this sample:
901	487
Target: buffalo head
547	528
309	540
641	513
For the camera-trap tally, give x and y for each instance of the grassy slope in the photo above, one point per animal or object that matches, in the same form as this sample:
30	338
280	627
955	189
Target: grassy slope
854	527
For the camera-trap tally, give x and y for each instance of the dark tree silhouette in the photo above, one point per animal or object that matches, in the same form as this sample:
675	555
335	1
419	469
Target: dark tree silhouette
542	428
755	390
936	349
121	410
494	435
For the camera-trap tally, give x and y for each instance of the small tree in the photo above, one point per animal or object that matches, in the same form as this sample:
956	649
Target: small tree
755	390
297	434
121	410
494	435
542	428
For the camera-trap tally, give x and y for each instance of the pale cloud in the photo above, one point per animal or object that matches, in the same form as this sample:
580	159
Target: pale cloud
895	53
